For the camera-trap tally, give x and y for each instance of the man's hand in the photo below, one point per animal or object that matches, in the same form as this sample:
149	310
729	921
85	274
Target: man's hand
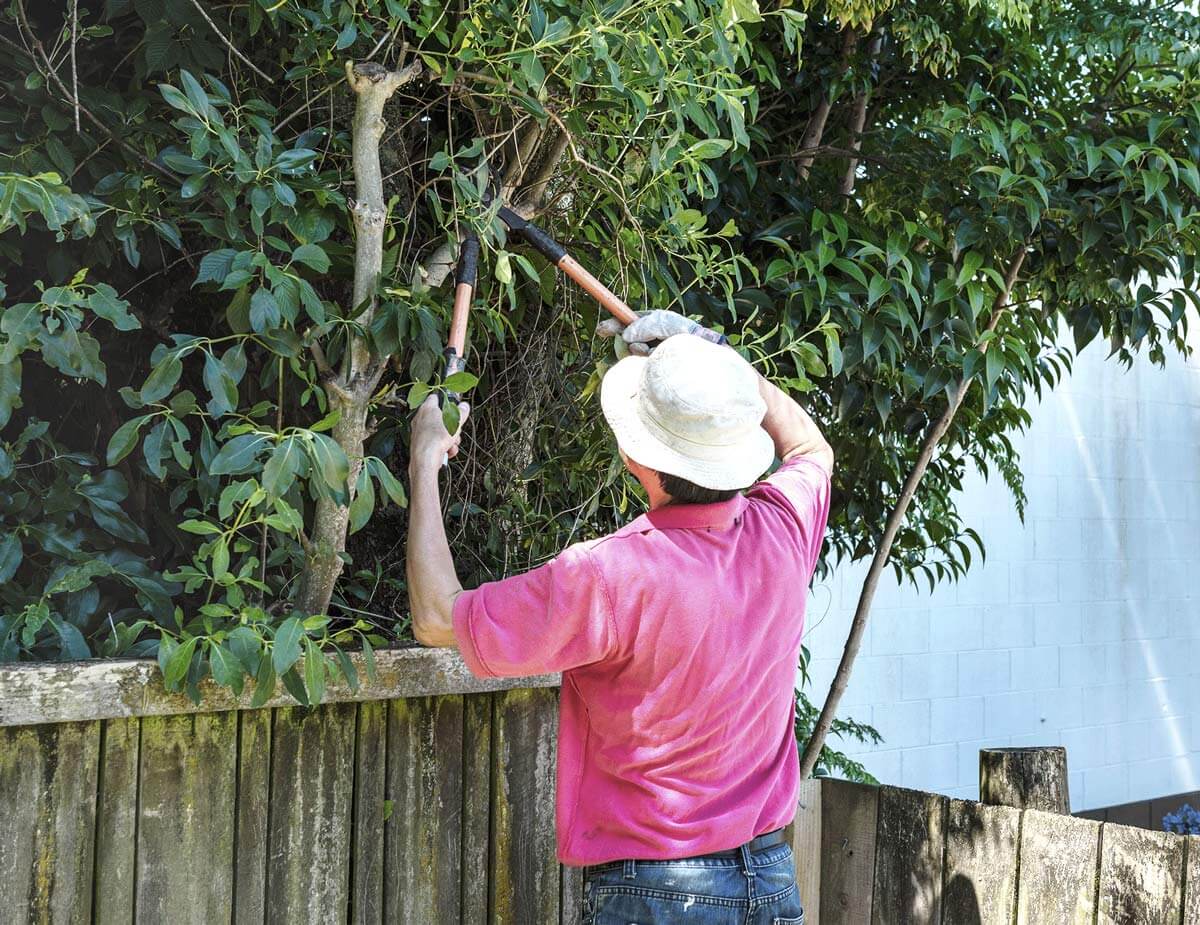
430	443
650	327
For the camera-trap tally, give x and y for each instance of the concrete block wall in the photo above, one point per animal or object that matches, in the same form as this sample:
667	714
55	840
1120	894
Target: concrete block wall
1082	628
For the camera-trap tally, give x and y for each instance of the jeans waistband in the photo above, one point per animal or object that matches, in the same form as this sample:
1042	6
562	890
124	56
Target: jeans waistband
759	843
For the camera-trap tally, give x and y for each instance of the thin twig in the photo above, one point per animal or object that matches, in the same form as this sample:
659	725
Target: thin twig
228	44
74	67
50	74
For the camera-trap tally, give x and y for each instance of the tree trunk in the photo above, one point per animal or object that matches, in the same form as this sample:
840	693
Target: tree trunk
351	389
815	130
812	751
1025	778
858	120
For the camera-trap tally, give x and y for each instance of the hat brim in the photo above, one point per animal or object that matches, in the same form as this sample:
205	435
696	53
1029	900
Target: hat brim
726	468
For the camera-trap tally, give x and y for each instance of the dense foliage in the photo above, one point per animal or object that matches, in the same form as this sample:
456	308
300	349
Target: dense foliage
875	200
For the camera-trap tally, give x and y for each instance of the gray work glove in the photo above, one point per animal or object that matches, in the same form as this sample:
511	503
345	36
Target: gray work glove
650	327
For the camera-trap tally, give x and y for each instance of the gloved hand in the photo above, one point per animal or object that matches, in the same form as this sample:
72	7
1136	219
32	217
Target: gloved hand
650	327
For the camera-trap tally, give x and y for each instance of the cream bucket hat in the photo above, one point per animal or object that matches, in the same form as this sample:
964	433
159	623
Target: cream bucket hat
691	409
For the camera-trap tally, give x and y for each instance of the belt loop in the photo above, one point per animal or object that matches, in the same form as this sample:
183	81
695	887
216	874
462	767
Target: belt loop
630	870
747	861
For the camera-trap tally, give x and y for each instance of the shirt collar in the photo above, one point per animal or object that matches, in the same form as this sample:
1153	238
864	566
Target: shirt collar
717	516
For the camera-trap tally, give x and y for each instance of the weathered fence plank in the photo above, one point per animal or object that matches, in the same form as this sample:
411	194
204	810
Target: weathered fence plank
64	692
370	812
1141	876
1059	858
186	818
1191	889
424	831
849	818
116	823
524	876
48	797
253	806
312	776
476	806
908	856
806	848
980	876
570	903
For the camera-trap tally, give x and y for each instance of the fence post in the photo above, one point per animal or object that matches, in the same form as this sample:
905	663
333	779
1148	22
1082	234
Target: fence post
1026	778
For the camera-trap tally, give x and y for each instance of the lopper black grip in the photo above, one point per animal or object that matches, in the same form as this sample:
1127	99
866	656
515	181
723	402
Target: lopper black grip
542	242
468	260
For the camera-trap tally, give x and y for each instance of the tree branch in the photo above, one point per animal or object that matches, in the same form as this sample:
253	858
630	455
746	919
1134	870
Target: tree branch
228	44
858	119
820	116
933	435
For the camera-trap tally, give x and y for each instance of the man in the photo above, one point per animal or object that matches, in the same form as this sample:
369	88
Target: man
677	636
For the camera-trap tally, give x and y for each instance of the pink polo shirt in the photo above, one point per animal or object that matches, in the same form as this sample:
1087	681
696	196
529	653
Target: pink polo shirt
678	638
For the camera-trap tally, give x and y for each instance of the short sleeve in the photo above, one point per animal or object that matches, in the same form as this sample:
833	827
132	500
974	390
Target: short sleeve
800	487
553	618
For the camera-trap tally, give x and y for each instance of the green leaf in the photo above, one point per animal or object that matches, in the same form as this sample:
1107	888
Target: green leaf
994	363
460	382
503	268
162	379
972	261
388	482
220	559
124	440
226	670
879	285
221	385
363	505
264	683
72	645
314	673
10	556
295	686
238	456
283	466
178	663
330	460
286	651
215	266
264	311
104	302
312	256
451	417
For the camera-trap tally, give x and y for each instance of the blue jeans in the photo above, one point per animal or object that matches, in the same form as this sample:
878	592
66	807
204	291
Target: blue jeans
751	889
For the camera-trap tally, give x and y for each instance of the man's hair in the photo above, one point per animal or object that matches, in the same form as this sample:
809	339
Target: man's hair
684	492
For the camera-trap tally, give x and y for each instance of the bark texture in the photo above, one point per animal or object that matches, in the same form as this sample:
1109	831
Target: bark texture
1025	778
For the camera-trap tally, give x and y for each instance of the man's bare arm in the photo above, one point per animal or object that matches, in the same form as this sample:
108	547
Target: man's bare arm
794	432
433	582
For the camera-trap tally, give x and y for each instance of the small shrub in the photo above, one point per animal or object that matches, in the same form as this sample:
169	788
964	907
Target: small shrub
1184	821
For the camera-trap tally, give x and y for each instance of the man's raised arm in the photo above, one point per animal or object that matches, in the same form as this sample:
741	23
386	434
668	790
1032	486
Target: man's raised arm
794	432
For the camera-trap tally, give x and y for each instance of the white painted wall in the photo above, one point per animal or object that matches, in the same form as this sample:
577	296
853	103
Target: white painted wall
1083	626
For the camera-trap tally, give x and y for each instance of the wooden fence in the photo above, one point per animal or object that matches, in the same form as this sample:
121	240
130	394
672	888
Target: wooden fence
427	797
904	856
123	803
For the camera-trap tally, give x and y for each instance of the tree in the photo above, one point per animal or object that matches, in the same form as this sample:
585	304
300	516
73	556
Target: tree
969	182
890	207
